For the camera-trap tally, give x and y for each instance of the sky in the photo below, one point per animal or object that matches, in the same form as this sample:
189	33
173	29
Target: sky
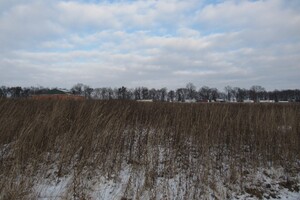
153	43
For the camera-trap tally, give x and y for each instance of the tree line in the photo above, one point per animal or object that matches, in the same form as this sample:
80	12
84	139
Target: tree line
187	93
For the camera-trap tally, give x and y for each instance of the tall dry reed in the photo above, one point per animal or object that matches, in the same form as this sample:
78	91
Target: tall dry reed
104	134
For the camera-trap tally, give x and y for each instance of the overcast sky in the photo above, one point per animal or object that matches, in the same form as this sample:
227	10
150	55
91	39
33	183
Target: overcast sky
162	43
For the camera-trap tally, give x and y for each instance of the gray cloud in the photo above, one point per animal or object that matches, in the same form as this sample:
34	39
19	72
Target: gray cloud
150	43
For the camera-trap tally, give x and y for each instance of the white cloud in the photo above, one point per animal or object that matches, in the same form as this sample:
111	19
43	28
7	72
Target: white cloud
26	24
264	18
151	43
123	15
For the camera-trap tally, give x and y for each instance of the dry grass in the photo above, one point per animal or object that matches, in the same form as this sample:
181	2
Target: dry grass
193	138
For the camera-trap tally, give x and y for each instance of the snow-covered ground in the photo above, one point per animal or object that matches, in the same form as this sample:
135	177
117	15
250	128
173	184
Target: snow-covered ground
130	184
149	182
163	177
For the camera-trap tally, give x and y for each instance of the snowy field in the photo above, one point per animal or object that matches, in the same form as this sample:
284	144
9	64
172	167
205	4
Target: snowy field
131	184
138	181
126	150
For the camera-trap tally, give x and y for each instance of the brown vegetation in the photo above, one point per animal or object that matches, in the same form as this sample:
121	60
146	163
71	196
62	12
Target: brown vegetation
223	139
57	97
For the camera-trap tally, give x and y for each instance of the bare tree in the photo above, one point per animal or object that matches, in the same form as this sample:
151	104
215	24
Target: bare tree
191	91
229	92
145	93
3	92
122	93
204	93
77	89
171	96
256	92
87	91
214	94
137	93
16	92
181	94
241	94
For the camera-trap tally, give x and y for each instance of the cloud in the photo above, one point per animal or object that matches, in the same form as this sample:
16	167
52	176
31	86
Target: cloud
150	43
271	19
25	24
123	15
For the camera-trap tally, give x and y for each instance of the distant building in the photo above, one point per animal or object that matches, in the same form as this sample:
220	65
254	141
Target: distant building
266	101
283	101
190	101
248	101
145	100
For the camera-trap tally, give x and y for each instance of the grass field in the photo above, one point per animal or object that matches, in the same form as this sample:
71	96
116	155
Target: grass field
134	150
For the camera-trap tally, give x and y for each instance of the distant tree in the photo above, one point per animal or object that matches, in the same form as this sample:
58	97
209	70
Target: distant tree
163	94
122	92
77	89
214	94
106	93
191	91
145	93
181	94
137	93
81	89
153	94
256	92
129	94
205	93
222	95
3	92
234	94
115	93
241	94
103	93
87	91
16	92
297	95
110	93
38	90
229	92
97	93
26	92
171	96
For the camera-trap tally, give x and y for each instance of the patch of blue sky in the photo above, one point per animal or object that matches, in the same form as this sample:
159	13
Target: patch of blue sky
105	1
213	1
